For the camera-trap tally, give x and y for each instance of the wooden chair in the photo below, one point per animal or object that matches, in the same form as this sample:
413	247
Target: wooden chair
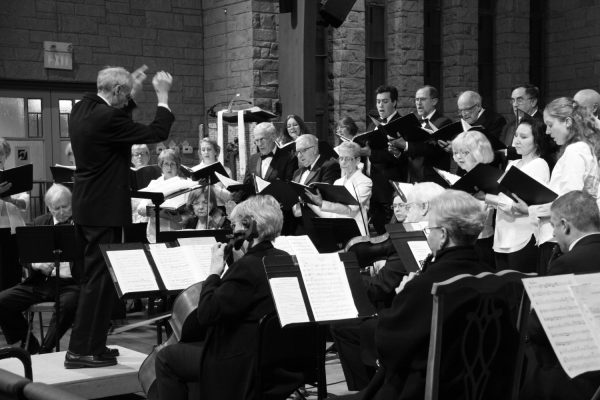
289	357
476	345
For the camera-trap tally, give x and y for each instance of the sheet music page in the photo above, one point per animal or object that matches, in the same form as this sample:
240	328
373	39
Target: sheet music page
327	286
420	250
288	300
170	186
564	323
587	295
225	180
198	257
295	245
174	269
261	184
448	176
132	270
201	241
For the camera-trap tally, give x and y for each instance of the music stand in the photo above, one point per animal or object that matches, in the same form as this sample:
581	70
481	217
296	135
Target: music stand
48	242
332	234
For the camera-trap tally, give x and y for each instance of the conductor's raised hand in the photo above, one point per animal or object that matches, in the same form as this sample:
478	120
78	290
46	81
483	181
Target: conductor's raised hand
217	261
138	76
162	82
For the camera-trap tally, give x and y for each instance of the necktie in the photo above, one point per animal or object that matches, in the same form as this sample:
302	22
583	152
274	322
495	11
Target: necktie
263	156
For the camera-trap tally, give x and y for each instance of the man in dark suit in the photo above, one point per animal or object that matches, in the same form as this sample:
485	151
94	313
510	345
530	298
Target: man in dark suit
41	285
312	168
473	114
424	156
102	133
383	165
576	222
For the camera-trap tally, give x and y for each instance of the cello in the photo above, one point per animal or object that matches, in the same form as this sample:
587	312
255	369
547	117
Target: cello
183	319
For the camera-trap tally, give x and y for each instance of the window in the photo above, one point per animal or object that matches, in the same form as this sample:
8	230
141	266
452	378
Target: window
486	53
432	38
375	49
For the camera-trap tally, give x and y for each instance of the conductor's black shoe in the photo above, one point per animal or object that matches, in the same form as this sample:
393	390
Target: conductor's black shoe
110	352
73	360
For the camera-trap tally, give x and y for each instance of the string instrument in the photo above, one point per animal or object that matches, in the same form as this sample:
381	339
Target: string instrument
370	249
183	319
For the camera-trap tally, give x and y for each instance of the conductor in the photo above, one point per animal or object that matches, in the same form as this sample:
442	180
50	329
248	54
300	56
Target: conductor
102	133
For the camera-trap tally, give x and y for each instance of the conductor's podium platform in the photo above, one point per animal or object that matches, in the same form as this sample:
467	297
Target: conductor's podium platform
90	383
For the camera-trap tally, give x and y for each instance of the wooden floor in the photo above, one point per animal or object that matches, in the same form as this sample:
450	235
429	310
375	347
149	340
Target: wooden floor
143	339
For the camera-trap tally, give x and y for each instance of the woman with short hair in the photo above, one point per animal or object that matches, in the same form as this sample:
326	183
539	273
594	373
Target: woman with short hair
208	152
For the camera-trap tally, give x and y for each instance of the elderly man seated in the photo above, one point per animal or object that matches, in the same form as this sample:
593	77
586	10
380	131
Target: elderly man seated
41	285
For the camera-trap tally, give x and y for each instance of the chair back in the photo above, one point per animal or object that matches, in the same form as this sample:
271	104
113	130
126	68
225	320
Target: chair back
288	358
21	354
476	344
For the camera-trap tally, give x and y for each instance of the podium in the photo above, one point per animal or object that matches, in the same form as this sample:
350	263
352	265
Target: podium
48	243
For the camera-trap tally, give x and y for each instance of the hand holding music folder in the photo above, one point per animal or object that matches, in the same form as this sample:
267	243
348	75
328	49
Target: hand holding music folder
482	177
231	184
532	192
20	178
207	173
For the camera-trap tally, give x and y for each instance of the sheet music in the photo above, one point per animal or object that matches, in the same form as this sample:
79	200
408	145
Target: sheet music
202	241
296	245
261	184
449	177
587	295
288	299
226	181
170	186
132	271
420	250
564	323
327	286
181	267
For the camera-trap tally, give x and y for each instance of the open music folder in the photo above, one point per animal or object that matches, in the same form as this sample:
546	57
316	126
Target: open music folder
62	173
141	177
411	245
139	270
532	192
568	308
21	179
206	173
320	288
482	177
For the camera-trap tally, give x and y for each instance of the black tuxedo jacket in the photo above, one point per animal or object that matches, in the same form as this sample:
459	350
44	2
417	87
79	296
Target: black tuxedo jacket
282	167
101	137
423	156
492	122
326	171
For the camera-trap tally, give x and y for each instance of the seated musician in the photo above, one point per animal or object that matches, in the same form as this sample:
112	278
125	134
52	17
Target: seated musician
357	184
402	334
575	221
41	285
169	162
230	307
355	340
198	207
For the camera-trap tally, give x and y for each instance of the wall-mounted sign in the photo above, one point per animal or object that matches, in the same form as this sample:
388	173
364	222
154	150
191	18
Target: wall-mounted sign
58	55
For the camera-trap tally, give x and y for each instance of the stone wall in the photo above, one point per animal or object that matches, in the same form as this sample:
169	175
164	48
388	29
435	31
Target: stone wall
162	34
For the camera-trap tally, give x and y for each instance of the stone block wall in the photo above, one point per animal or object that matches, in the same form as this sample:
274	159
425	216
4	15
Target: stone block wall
165	35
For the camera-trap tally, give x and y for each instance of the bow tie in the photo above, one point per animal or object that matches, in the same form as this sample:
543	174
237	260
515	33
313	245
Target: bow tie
263	156
424	120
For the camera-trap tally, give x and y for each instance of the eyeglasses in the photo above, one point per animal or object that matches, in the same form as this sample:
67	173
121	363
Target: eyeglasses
347	158
302	151
462	153
519	100
421	99
427	231
261	140
169	164
467	110
137	154
402	206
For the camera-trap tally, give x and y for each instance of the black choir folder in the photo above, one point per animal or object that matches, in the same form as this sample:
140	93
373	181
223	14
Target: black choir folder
141	177
411	245
205	173
62	173
528	189
139	270
319	294
21	179
482	177
287	193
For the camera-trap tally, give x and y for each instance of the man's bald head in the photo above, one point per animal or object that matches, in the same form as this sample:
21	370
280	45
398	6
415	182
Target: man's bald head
589	99
469	106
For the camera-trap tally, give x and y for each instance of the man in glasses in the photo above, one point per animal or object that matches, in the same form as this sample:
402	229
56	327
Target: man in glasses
472	113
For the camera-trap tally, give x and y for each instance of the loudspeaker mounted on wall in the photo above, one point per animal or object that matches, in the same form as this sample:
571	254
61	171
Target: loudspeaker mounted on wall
334	12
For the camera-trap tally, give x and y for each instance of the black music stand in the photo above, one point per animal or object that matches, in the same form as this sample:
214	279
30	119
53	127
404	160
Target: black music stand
332	234
44	243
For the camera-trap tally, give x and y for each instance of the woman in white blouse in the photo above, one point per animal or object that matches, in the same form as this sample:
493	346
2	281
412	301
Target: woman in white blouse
209	153
572	128
471	148
357	184
515	233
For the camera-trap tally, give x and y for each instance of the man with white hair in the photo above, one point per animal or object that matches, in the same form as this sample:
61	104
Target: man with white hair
590	100
473	114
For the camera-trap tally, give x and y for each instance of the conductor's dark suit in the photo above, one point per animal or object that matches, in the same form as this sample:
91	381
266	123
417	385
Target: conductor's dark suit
545	379
101	136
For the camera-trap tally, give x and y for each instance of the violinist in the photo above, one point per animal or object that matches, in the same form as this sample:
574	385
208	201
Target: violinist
230	307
